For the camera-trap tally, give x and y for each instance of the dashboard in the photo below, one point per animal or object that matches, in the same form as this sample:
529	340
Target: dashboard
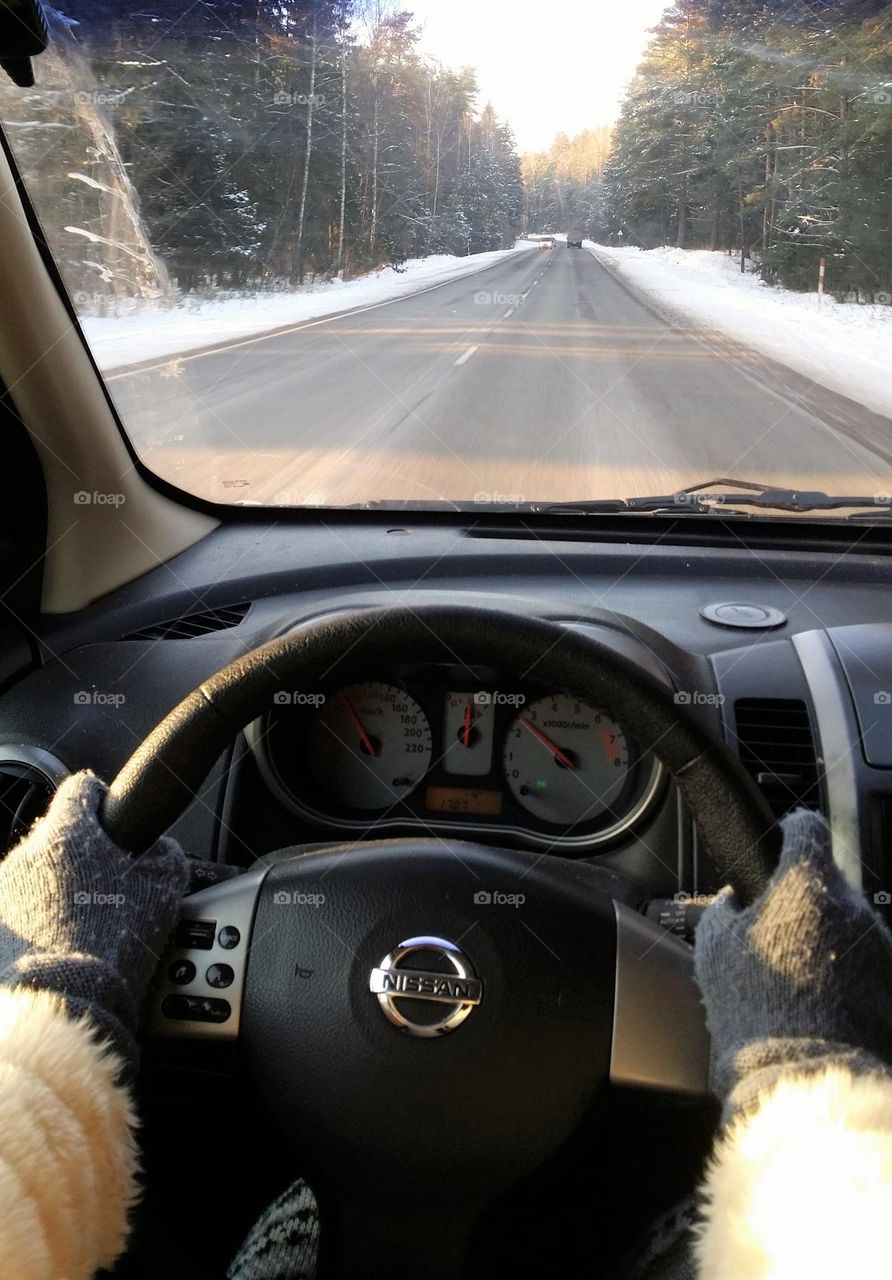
489	755
448	750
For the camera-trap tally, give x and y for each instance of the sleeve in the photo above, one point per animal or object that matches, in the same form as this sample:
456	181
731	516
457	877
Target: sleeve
68	1155
801	1185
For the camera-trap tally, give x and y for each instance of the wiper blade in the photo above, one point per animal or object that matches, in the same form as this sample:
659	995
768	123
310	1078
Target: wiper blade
713	498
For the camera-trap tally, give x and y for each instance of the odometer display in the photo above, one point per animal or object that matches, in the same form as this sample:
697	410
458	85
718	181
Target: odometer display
565	762
370	745
470	800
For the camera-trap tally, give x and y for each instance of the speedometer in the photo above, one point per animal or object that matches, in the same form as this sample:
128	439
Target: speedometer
565	762
370	745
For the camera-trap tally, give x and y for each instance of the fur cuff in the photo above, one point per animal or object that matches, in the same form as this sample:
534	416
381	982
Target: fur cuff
803	1186
68	1156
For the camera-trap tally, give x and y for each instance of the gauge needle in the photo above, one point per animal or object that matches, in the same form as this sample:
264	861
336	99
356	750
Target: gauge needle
466	739
547	742
360	729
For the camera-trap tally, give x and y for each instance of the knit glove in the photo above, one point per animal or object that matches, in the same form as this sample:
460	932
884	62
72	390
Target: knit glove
82	918
798	981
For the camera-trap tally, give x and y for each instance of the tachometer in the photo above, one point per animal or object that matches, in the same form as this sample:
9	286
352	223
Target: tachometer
370	745
565	762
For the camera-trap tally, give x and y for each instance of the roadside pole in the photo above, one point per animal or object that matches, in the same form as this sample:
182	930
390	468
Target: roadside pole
821	265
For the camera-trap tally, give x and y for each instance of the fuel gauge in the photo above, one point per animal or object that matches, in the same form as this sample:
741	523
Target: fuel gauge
468	733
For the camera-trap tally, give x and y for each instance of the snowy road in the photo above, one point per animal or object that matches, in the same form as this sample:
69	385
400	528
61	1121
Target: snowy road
540	378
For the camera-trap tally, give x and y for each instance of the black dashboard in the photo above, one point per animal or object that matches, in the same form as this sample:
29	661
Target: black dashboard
797	676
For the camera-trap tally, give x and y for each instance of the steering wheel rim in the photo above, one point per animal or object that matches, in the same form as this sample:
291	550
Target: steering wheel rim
165	772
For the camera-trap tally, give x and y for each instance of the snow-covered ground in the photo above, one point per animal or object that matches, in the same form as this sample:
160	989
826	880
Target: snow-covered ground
846	347
146	331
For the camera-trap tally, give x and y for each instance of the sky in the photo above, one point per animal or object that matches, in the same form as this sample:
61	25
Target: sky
547	65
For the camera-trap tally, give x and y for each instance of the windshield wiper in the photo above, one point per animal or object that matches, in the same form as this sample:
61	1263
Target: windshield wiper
713	498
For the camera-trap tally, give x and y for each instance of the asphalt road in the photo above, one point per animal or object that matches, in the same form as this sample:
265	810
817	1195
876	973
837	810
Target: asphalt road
540	378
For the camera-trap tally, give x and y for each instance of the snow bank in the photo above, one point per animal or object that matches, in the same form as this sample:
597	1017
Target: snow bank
846	347
148	331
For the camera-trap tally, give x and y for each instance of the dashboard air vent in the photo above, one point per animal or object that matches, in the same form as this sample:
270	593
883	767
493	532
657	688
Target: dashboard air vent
25	793
193	624
776	745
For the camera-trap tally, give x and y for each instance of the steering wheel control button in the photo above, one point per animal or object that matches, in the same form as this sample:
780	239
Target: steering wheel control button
195	935
184	1008
426	986
181	972
210	939
737	614
219	975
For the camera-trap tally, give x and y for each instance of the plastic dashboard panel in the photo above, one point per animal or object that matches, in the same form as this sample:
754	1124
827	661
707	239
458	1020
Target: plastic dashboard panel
844	677
645	580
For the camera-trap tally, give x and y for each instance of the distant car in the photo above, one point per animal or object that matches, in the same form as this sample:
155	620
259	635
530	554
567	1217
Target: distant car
574	244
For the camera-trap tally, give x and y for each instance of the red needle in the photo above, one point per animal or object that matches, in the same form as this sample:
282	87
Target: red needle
360	728
546	742
466	740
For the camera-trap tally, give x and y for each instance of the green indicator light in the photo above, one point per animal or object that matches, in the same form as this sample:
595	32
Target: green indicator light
541	784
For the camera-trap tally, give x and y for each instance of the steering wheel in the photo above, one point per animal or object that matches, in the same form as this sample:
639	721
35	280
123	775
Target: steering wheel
426	1048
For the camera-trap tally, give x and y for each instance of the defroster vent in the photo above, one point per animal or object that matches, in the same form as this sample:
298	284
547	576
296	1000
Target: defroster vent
193	624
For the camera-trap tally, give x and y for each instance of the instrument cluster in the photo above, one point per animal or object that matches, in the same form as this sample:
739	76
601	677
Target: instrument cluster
444	750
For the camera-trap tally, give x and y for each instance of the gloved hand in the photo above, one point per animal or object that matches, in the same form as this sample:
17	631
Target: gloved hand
799	980
82	918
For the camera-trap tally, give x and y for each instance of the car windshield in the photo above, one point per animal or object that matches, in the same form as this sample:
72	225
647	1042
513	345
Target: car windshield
482	253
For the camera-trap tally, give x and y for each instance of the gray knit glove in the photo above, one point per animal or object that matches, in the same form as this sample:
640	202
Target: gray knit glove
81	918
799	980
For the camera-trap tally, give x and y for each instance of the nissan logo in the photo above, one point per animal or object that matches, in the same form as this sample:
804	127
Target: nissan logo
399	987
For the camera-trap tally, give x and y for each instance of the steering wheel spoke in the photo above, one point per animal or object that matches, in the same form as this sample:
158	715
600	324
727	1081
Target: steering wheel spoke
199	986
659	1039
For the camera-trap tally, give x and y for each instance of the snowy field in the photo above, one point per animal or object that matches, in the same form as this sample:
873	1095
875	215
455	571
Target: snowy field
152	331
846	347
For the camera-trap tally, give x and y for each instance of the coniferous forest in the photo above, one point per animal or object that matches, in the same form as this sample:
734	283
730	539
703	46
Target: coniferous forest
763	127
255	144
266	140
